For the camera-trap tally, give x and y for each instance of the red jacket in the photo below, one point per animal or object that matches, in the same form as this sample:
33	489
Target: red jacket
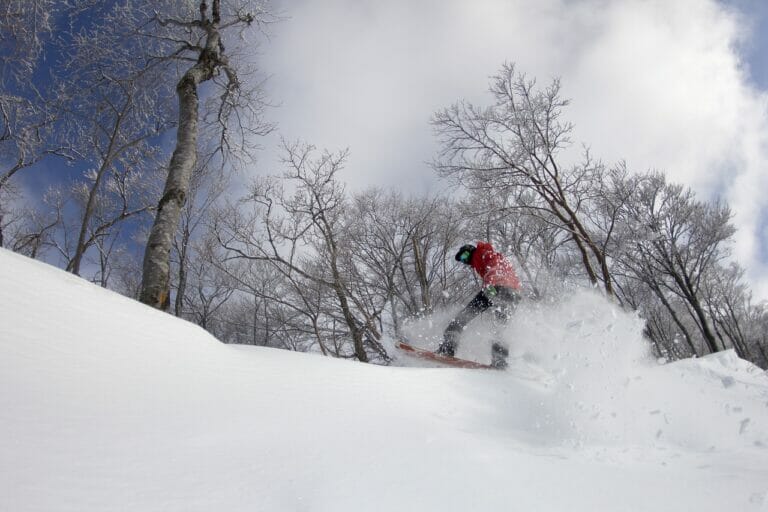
493	268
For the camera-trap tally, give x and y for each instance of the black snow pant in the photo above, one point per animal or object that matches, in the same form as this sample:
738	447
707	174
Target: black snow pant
503	304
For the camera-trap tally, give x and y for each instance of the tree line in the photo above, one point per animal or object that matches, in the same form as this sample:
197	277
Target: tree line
148	110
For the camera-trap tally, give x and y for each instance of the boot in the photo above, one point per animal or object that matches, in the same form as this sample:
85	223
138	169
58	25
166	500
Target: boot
499	354
446	348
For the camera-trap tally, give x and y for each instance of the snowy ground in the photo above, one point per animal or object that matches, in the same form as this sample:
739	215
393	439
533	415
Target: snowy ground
108	405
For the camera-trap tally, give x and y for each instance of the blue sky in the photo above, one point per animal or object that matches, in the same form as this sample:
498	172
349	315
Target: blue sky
756	48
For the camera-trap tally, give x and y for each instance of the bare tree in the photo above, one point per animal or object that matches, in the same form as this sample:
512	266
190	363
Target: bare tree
27	118
727	302
264	305
34	232
114	107
406	245
207	185
200	40
303	233
25	127
677	242
210	288
516	143
24	27
124	198
758	333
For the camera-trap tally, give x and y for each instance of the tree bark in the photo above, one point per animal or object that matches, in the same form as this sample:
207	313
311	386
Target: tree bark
155	282
74	265
181	288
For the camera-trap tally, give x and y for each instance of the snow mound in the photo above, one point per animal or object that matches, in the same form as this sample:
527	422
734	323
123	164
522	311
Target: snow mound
106	404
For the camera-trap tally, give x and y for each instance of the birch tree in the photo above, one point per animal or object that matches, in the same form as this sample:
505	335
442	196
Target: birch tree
200	40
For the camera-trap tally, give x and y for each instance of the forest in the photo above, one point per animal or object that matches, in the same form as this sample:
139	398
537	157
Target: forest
151	116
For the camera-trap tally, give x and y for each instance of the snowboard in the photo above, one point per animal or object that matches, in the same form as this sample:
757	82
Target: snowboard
455	362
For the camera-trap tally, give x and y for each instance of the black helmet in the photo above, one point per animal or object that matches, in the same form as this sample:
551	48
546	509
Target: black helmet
465	254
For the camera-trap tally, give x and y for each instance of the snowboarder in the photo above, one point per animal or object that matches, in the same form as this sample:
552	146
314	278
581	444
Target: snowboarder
501	290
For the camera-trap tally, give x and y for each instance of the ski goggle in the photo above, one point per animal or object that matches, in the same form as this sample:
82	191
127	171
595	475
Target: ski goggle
464	256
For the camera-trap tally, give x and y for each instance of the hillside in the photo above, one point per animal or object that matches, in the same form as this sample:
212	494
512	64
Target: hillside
106	405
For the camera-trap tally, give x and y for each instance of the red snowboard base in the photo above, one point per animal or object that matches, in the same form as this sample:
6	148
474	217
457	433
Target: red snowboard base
447	360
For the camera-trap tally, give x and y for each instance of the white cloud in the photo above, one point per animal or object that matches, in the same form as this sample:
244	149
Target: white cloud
658	83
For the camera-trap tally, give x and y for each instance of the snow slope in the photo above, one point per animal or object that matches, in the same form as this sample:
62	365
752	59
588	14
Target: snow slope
108	405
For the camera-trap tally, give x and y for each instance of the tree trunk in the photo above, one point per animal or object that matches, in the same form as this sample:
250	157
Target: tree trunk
255	339
700	318
395	318
74	265
599	255
709	337
155	281
578	235
421	273
181	288
657	290
82	245
349	318
764	354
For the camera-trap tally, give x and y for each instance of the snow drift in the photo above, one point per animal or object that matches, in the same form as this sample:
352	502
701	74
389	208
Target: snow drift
108	405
